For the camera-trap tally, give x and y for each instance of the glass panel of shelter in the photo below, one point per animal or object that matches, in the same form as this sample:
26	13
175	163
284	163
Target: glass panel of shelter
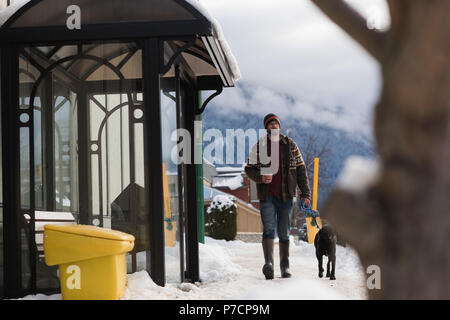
172	181
175	135
1	208
54	83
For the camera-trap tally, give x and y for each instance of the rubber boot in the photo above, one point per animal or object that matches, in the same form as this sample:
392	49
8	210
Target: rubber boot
267	269
284	259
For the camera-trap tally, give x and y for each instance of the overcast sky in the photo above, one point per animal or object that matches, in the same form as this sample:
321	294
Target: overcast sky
295	62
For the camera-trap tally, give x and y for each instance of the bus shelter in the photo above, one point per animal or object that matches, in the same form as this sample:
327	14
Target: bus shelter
91	94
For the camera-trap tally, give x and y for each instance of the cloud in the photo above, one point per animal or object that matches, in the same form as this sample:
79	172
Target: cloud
259	100
289	50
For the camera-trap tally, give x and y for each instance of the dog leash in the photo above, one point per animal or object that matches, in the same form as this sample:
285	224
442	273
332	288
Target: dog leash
309	212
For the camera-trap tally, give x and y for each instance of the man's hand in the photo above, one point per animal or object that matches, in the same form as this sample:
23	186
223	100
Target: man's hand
266	178
306	201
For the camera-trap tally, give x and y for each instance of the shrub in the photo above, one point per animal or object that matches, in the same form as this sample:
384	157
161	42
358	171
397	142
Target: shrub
220	218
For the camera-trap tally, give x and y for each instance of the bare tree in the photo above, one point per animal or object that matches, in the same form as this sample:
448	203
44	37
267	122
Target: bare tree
311	147
402	223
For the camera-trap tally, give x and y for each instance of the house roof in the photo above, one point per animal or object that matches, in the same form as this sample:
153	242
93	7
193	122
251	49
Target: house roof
210	193
229	177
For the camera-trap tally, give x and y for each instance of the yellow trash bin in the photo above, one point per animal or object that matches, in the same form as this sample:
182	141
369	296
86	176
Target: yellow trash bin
92	263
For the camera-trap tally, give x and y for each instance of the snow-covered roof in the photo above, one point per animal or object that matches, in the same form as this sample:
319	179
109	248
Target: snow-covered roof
228	177
216	44
232	183
229	169
219	35
6	13
210	193
229	174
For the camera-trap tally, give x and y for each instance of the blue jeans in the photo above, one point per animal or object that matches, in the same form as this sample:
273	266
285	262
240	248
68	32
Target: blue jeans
275	212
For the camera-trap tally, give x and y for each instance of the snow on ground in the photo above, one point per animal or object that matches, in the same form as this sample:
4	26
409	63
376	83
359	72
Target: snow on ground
232	270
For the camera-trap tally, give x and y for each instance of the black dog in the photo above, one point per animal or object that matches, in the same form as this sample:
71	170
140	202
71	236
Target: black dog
325	243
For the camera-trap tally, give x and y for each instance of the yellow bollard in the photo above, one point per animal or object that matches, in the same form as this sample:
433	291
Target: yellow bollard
312	230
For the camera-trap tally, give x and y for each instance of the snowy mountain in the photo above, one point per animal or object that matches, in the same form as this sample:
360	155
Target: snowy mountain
311	138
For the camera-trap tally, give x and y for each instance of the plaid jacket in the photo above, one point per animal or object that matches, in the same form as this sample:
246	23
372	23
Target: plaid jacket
293	169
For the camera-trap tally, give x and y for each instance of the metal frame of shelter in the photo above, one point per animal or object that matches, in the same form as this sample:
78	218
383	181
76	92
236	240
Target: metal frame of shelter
180	56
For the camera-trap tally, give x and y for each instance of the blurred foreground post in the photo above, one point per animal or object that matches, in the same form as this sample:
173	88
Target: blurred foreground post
401	223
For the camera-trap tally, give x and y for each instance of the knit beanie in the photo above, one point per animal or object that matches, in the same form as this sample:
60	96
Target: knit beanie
270	117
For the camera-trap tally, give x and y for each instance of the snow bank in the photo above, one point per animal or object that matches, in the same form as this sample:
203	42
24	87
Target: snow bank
141	286
216	264
359	174
41	297
232	270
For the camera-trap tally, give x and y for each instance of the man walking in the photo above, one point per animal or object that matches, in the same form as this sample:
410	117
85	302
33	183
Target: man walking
276	184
